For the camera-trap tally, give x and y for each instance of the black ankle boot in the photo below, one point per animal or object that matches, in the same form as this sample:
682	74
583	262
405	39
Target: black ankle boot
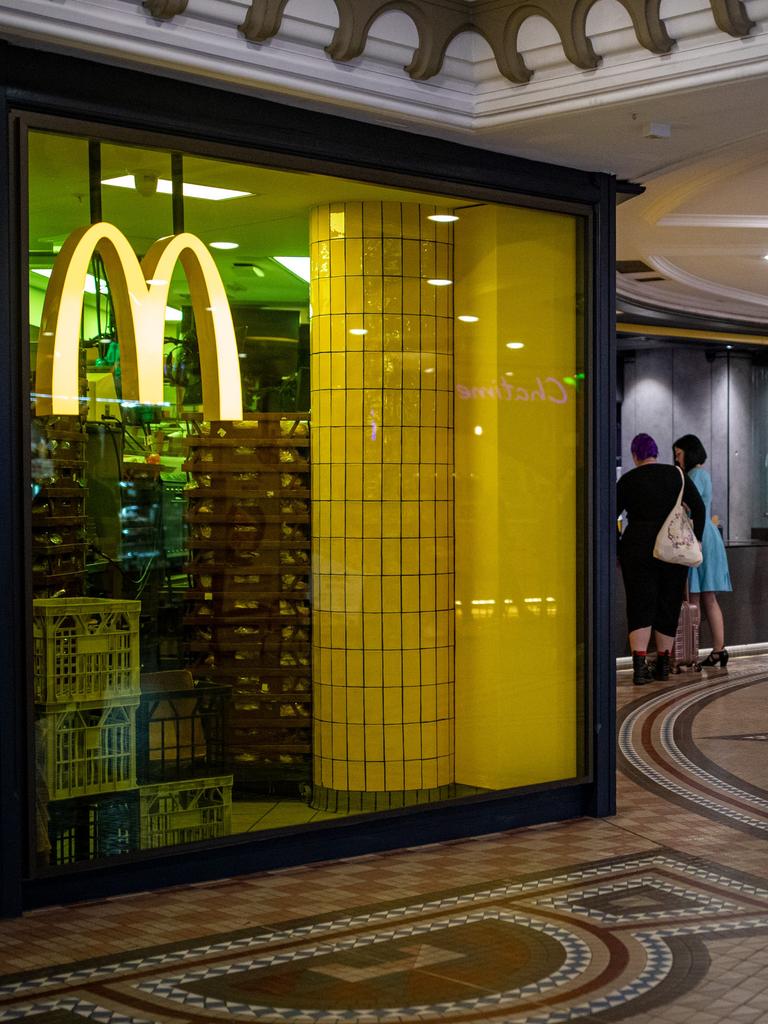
661	668
641	674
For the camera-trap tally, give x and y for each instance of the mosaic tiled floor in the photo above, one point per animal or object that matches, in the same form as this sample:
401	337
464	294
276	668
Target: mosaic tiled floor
659	914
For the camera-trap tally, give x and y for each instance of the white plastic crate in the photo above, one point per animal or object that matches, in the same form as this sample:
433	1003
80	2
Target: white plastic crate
172	813
85	649
89	747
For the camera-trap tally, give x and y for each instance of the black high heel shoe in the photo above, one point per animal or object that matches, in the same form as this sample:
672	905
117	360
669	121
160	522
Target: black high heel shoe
716	658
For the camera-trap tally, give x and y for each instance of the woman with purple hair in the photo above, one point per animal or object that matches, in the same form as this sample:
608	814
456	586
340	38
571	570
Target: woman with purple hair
654	589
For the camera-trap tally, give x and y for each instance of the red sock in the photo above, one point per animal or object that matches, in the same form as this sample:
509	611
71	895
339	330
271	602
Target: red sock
640	654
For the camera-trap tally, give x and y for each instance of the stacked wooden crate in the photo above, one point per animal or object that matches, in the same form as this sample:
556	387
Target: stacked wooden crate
248	616
58	511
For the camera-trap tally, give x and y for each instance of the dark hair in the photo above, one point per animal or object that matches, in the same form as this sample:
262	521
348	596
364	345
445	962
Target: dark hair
694	452
644	447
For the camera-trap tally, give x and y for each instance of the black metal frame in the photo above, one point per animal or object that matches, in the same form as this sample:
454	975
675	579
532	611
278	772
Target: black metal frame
129	102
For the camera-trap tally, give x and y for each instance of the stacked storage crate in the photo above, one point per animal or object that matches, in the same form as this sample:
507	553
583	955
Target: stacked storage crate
248	618
86	677
58	510
87	692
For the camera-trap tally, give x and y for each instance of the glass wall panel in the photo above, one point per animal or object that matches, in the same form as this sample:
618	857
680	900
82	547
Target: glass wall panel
306	527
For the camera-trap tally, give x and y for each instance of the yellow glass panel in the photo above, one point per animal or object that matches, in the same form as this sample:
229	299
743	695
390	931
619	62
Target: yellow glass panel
429	739
517	270
355	714
354	256
373	667
411	631
393	741
374	743
429	773
355	299
356	775
411	220
374	705
413	774
355	745
394	775
355	669
391	220
340	775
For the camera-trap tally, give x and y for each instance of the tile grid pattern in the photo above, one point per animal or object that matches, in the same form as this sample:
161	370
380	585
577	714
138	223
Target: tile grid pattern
382	453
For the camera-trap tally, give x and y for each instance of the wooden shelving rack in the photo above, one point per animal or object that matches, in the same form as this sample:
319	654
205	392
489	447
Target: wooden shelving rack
248	614
58	513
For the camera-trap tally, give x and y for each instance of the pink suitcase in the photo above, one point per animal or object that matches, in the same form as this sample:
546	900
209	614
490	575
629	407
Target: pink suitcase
685	654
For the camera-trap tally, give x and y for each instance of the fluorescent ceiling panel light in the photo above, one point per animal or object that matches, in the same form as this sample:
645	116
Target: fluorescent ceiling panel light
224	245
189	189
439	282
515	344
443	218
466	319
296	265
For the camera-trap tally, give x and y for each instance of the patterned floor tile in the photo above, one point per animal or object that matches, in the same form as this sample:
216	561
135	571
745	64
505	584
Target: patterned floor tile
659	914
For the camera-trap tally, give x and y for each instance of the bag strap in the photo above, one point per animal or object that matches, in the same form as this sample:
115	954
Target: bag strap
682	488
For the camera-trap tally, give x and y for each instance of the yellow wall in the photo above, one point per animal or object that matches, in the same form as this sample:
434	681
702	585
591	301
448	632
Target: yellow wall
516	453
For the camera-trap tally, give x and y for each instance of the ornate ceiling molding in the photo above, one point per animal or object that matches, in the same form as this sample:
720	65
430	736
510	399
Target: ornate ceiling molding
165	9
498	21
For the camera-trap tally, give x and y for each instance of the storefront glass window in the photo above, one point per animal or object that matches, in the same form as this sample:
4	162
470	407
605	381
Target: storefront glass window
307	525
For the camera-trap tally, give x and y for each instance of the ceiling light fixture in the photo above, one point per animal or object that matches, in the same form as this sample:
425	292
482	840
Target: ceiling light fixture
466	319
442	218
224	245
189	189
439	282
296	265
515	344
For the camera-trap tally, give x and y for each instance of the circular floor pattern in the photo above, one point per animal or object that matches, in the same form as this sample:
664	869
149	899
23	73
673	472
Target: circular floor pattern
662	748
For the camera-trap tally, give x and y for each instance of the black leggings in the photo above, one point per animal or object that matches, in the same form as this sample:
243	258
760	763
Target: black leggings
654	589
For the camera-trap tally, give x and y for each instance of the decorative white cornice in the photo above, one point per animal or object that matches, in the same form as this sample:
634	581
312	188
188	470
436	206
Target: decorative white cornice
468	100
499	22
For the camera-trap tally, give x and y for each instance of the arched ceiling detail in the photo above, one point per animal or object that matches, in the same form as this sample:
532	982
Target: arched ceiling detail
498	21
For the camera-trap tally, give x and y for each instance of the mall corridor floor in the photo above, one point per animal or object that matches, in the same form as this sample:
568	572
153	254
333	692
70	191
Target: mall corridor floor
659	914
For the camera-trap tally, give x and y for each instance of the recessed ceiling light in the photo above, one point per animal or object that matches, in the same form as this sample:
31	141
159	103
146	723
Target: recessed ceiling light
515	344
466	319
443	218
439	282
188	189
296	265
224	245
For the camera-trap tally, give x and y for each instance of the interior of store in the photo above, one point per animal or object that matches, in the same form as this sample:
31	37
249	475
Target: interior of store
180	564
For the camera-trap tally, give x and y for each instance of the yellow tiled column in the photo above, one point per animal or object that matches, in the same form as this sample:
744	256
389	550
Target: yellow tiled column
382	504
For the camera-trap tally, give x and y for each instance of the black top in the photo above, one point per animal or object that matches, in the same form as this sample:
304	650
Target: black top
647	494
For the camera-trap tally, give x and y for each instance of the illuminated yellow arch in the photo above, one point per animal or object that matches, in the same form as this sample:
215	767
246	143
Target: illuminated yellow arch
140	295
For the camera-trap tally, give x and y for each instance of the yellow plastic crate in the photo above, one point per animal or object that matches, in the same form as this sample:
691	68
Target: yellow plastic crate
85	649
89	747
172	813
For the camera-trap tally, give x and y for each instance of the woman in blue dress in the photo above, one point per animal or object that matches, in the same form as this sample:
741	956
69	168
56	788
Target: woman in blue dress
712	575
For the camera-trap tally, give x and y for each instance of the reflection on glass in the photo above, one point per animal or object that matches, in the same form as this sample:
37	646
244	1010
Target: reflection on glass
250	625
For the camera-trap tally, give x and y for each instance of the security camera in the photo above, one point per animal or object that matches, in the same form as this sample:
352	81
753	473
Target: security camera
146	183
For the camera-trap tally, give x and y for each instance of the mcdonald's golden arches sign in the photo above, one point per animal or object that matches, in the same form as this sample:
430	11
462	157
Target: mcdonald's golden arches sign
140	295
